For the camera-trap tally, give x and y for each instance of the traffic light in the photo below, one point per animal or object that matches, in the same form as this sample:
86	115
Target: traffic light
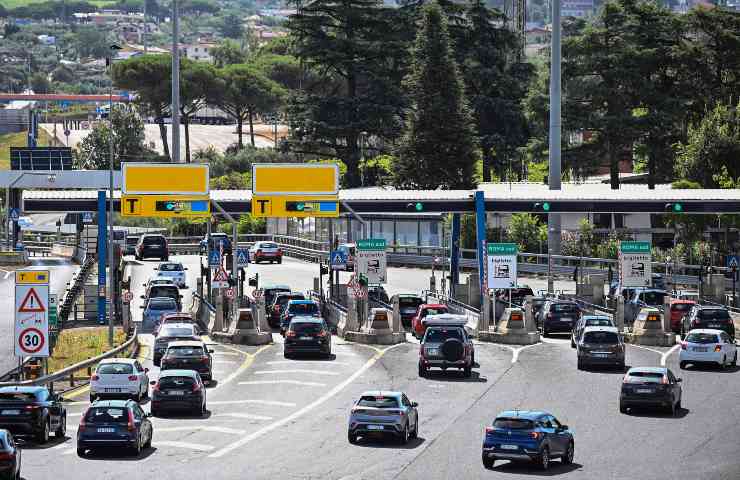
674	207
542	206
323	269
253	282
415	207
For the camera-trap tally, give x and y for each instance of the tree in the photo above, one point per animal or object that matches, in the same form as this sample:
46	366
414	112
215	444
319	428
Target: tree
228	52
10	29
232	27
150	77
3	12
40	83
92	42
199	7
283	69
438	147
245	93
524	230
93	152
197	81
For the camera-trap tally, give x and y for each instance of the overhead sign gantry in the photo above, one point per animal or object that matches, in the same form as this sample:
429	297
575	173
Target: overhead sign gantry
165	190
295	190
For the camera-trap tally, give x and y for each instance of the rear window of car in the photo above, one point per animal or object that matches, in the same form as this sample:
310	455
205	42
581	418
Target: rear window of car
717	314
305	328
407	302
116	368
160	291
598	322
645	377
378	402
563	307
177	332
176	382
299	308
106	415
434	311
17	397
439	335
653	298
170	267
513	423
601	337
681	307
154	241
268	245
183	351
284	299
702	338
163	305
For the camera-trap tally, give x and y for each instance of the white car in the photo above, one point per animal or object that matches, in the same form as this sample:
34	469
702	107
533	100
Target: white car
266	252
119	377
175	272
706	345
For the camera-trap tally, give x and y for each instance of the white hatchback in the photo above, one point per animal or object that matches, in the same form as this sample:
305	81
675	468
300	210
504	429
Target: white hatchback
705	345
173	271
119	377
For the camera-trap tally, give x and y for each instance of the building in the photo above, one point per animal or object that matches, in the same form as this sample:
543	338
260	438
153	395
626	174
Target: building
200	51
577	8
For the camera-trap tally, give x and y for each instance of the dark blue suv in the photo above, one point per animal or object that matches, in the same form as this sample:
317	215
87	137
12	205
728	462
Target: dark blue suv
527	435
114	423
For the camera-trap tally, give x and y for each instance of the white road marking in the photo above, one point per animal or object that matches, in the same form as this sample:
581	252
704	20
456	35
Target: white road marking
648	349
226	353
207	428
284	382
74	414
188	445
515	350
300	362
76	403
246	416
299	413
225	361
664	356
7	274
256	402
312	372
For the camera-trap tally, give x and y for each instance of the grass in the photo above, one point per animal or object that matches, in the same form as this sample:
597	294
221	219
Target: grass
19	139
76	345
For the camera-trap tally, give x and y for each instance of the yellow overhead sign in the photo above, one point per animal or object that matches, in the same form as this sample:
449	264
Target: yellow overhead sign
167	206
165	178
35	277
299	207
295	179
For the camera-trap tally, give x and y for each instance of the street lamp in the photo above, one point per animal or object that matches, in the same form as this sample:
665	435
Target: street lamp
113	49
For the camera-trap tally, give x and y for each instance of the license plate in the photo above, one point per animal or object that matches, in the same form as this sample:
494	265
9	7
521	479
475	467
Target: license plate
10	412
509	447
713	325
600	355
305	338
375	427
433	351
106	430
700	349
112	390
566	319
177	392
644	390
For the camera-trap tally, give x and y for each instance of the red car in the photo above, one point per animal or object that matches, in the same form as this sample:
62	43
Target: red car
679	309
417	327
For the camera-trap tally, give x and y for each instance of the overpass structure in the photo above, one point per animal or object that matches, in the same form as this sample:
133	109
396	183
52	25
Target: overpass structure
62	97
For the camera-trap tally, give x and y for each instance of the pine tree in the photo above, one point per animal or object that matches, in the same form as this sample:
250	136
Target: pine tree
438	147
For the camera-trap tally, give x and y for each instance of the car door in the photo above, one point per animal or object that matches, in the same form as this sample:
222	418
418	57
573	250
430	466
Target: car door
674	386
559	434
53	407
412	413
141	372
728	346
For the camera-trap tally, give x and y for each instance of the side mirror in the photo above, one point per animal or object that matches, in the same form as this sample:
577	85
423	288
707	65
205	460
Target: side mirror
210	350
414	404
185	268
142	296
153	382
563	427
156	268
143	284
679	380
146	370
141	306
180	296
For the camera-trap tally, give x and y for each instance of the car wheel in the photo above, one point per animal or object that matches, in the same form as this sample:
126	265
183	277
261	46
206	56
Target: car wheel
405	435
488	462
545	459
734	360
286	355
93	397
468	371
678	406
682	365
280	260
80	452
622	408
352	438
572	343
579	364
43	436
61	432
137	447
422	371
148	443
472	359
156	412
545	333
204	410
567	459
415	432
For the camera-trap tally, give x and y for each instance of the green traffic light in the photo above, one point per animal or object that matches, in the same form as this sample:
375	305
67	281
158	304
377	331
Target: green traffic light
546	206
677	207
419	206
299	207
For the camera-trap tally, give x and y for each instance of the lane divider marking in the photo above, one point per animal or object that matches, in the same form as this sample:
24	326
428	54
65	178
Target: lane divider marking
312	372
207	428
516	350
245	365
246	416
271	403
284	382
312	362
191	446
664	356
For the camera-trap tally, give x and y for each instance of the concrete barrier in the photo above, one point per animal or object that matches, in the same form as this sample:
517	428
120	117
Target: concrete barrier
516	327
649	329
14	258
63	250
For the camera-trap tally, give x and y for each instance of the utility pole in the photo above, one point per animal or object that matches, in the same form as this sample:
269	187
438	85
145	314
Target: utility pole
111	311
553	219
175	83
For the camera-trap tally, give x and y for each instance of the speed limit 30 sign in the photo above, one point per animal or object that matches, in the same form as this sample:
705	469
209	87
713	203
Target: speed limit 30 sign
32	313
31	341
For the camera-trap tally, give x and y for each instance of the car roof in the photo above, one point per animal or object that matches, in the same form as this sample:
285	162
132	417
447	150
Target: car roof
186	343
306	319
433	305
648	369
706	330
600	329
276	286
381	393
113	403
526	414
21	389
300	302
130	361
596	317
177	373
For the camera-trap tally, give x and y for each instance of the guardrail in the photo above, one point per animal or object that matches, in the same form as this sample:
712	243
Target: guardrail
69	371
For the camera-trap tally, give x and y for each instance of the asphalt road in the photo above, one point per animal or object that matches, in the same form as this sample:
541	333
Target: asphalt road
61	271
272	418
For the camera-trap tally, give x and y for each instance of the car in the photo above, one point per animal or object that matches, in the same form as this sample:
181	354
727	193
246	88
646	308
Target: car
119	377
173	271
151	245
518	294
559	316
704	316
378	294
164	290
130	246
156	281
266	252
218	239
350	251
189	355
650	387
600	346
588	321
527	435
446	345
295	308
172	332
270	291
679	309
645	297
10	457
154	310
179	317
383	413
537	303
408	304
181	390
32	411
706	345
307	335
417	327
114	423
281	300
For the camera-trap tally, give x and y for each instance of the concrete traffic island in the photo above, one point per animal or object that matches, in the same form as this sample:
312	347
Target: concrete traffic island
375	330
515	328
245	330
650	329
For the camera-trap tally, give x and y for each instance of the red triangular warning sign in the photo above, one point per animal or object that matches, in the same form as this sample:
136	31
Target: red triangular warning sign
221	275
32	303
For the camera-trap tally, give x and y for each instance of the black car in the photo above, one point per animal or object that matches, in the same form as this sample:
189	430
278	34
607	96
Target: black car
408	304
32	411
188	355
181	390
217	240
172	333
307	335
270	291
518	294
114	423
702	316
10	457
152	246
279	305
650	387
559	316
167	291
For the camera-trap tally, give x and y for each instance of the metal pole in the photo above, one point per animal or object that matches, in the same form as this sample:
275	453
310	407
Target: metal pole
175	83
111	311
553	219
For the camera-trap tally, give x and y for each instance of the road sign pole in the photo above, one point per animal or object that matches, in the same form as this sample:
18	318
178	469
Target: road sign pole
102	262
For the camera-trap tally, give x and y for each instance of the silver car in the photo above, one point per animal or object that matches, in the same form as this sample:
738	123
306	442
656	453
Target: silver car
446	344
385	414
600	346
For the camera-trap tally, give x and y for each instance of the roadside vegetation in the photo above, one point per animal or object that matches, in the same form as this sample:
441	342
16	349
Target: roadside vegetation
78	344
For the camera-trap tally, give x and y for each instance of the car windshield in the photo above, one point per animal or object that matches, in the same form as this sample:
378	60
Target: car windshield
268	245
116	368
304	308
645	377
434	311
305	328
653	298
107	415
153	241
163	305
715	314
185	351
598	322
17	397
176	382
179	319
702	338
170	267
177	332
513	423
378	402
601	337
439	335
409	302
563	307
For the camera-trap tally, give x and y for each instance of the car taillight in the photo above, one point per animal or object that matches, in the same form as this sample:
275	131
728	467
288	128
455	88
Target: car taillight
321	334
205	358
133	378
280	251
196	387
31	408
82	421
718	348
155	388
130	425
548	316
664	380
276	308
683	345
95	378
490	430
535	435
290	333
259	252
7	455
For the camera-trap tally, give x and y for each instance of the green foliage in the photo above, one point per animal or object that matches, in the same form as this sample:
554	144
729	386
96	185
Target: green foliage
92	42
537	172
197	82
228	52
93	152
525	230
199	7
231	27
40	83
378	170
283	69
438	147
681	184
249	224
232	181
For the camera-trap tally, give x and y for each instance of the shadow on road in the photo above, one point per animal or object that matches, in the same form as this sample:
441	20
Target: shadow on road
711	368
183	416
455	376
525	468
389	443
118	454
657	413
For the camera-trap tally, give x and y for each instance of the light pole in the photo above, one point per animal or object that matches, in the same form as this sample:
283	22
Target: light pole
111	312
175	83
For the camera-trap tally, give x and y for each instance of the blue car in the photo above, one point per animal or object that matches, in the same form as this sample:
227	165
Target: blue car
534	436
114	423
297	308
155	310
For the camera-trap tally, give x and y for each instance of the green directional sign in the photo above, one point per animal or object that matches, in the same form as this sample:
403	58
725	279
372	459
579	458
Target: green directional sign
634	247
371	244
53	319
502	249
